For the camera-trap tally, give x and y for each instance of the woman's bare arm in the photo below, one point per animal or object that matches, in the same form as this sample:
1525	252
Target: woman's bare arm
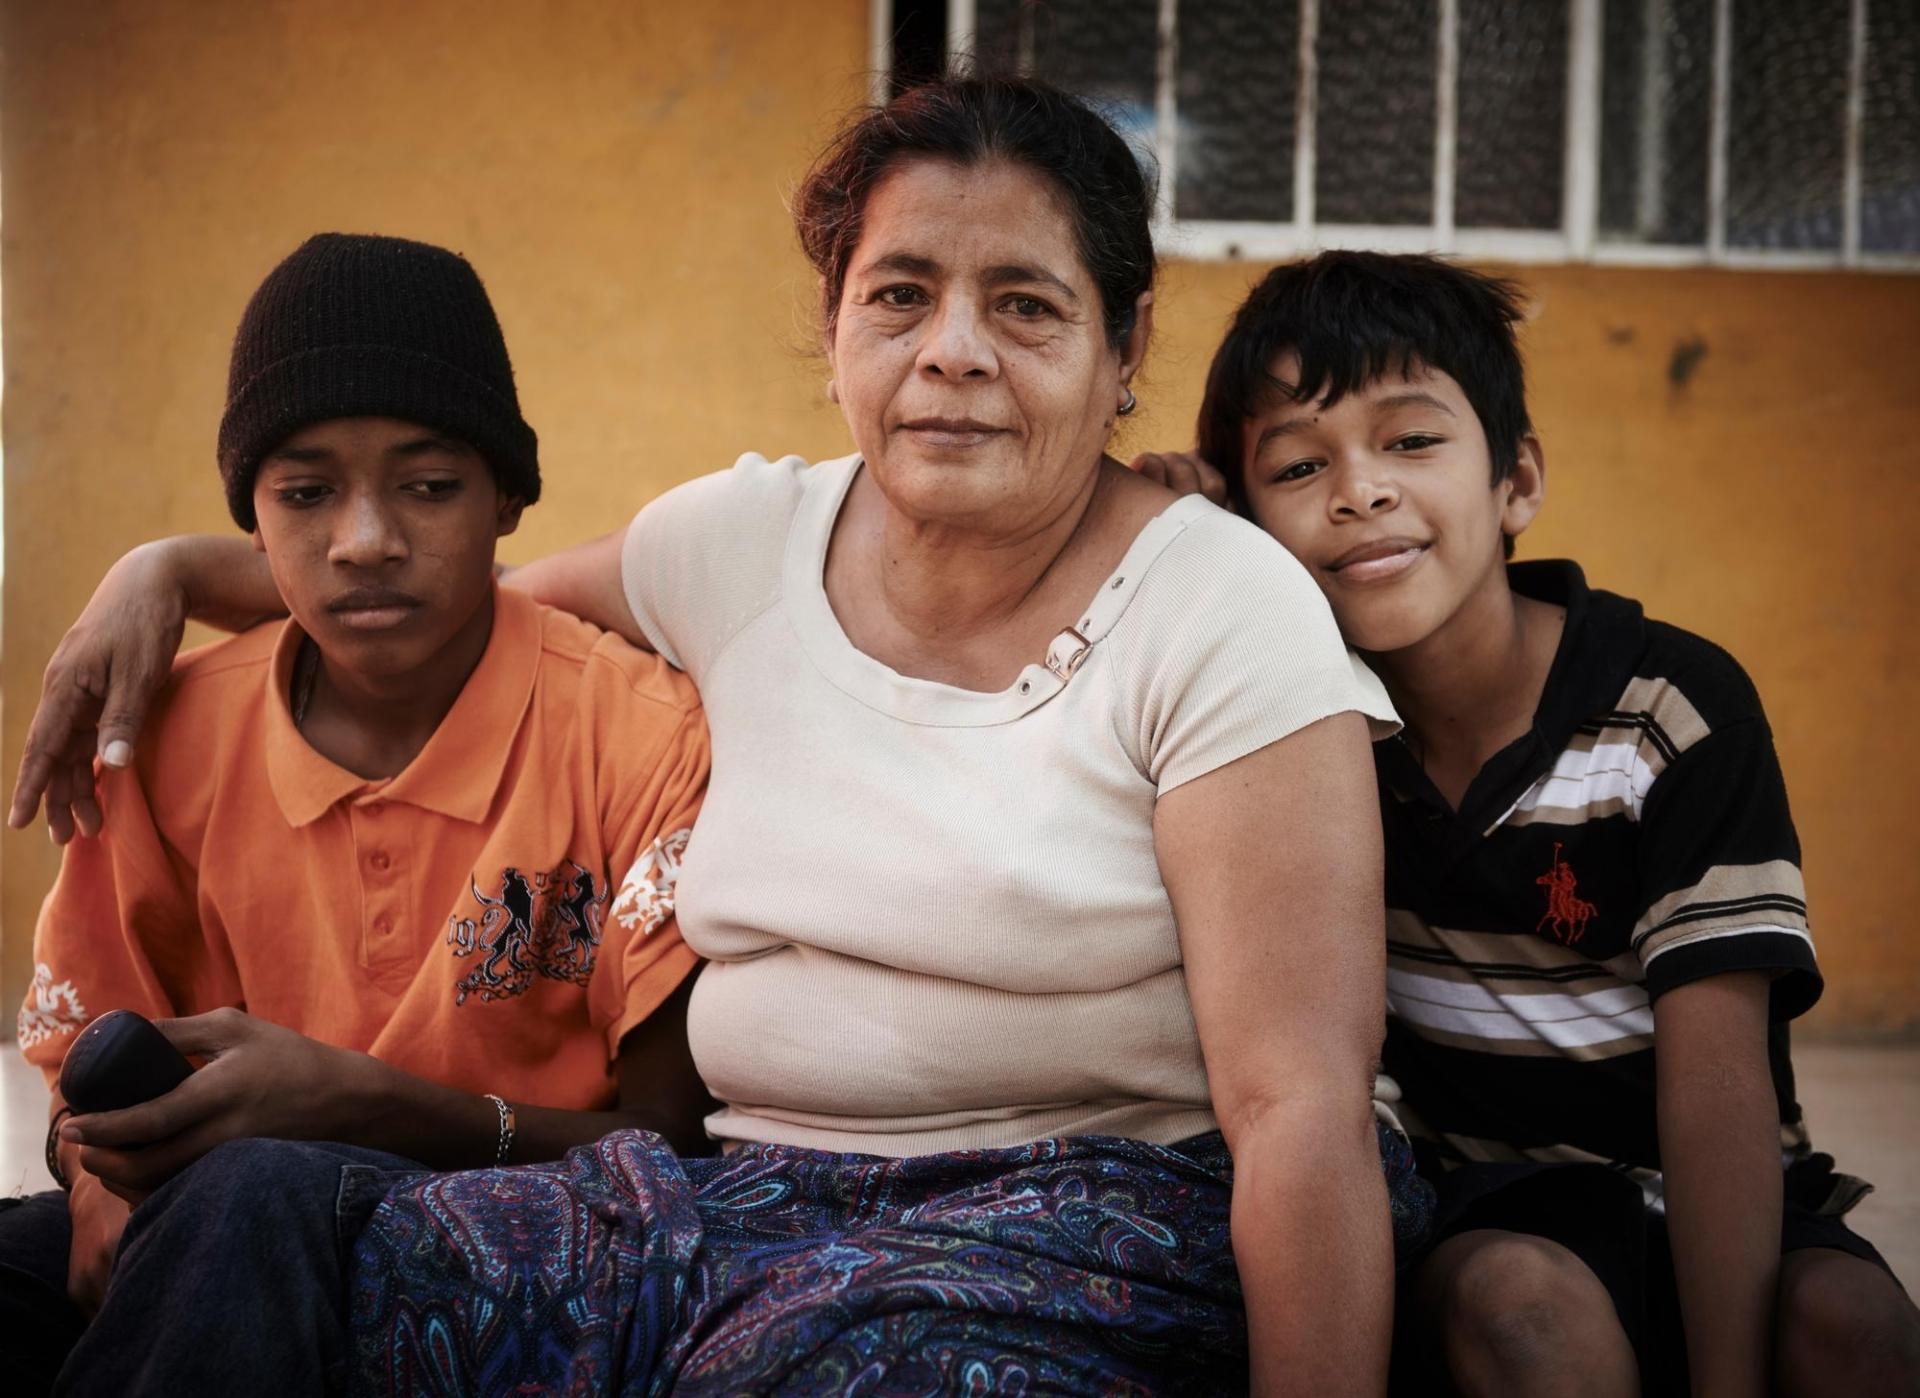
1273	864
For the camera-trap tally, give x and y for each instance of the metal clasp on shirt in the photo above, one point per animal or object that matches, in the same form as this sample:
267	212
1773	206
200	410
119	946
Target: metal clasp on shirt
1066	651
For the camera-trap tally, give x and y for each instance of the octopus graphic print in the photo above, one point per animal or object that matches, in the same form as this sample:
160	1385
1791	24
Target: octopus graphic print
548	925
540	925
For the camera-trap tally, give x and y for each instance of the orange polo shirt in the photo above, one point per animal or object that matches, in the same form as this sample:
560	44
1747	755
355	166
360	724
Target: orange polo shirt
494	918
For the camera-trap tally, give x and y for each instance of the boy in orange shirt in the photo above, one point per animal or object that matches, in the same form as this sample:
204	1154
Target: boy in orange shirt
399	868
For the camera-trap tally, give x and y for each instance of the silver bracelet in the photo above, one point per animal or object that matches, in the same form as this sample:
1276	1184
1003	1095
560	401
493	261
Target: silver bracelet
505	1144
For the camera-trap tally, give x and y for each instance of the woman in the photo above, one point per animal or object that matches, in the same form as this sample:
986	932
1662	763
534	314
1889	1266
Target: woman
1039	873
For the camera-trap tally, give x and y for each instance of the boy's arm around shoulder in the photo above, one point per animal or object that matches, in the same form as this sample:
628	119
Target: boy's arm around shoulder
687	569
114	660
585	581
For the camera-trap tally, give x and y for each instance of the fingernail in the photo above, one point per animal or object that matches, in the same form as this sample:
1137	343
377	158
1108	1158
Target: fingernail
118	753
70	1132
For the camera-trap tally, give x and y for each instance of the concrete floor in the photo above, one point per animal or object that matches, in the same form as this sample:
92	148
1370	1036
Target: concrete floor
1862	1103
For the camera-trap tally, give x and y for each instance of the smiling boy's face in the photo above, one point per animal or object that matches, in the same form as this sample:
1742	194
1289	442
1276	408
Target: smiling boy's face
1386	497
380	535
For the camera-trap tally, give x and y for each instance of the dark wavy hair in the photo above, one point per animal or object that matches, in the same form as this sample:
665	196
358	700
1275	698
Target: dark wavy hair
968	119
1352	317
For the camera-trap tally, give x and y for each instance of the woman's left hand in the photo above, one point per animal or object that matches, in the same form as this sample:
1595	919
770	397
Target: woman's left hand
260	1080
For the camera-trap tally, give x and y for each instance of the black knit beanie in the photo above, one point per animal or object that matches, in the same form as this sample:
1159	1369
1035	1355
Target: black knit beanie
353	325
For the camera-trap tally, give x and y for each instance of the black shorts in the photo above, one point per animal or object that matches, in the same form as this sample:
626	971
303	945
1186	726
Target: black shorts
1600	1216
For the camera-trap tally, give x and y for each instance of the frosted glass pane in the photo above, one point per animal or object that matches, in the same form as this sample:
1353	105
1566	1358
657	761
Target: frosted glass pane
1100	49
1890	129
1374	133
1656	110
1239	76
1510	142
1786	124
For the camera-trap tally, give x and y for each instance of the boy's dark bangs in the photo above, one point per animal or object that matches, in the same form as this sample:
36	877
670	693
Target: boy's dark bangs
1333	366
1243	385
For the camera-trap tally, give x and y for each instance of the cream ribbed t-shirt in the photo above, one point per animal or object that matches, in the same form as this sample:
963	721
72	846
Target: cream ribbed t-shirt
934	914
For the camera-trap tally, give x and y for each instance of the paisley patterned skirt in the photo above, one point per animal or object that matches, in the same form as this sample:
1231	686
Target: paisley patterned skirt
1087	1265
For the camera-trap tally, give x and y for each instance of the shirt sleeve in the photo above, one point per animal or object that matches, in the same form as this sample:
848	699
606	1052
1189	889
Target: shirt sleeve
1236	648
704	559
120	930
653	792
1719	879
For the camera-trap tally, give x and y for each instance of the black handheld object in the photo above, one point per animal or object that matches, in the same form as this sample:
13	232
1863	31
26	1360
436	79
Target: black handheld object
120	1060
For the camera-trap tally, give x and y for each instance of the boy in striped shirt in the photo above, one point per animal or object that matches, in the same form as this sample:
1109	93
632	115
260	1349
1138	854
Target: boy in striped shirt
1589	853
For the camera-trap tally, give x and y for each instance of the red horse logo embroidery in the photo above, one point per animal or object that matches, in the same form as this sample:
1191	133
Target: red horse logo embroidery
1567	913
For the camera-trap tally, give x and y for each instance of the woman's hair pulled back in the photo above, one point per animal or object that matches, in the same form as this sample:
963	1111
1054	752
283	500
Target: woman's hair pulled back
969	119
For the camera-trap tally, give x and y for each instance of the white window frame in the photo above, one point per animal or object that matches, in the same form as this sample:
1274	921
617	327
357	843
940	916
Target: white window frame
1578	239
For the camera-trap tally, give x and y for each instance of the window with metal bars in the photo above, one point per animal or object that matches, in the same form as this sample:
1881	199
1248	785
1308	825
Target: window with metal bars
1728	132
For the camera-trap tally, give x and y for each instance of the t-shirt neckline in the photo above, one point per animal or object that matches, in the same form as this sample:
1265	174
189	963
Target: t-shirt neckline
930	702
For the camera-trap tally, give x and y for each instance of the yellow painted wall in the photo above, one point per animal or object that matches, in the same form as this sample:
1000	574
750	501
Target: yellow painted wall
615	170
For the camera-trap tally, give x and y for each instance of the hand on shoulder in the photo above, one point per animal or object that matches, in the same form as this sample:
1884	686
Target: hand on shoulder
1182	472
94	698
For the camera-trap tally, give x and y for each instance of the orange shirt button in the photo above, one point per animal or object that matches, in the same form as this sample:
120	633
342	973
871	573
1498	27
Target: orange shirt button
379	860
383	924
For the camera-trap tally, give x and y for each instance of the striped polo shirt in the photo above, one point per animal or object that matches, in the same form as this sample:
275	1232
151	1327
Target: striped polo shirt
1636	839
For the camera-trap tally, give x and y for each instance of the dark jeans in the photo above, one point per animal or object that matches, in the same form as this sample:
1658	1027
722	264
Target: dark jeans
38	1324
232	1277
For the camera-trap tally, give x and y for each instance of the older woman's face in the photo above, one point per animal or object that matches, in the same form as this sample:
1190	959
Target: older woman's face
969	354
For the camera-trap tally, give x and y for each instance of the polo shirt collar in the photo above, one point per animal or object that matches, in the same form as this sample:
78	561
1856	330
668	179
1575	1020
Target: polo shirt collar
1599	647
1598	650
457	773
